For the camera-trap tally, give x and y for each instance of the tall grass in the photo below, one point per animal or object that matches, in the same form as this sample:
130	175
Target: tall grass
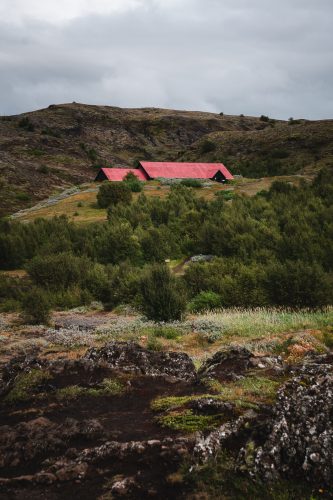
261	321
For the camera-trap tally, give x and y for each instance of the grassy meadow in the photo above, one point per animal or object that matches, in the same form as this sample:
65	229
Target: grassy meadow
81	207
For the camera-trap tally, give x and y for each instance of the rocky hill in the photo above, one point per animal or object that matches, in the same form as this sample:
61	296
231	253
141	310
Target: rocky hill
49	149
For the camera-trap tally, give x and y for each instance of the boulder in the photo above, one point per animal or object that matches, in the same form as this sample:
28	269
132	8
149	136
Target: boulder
226	364
300	439
131	357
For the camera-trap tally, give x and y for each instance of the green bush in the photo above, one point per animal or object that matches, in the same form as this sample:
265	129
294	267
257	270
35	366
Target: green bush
166	332
205	301
21	196
43	169
328	339
26	124
36	307
154	344
64	272
9	305
162	296
133	183
207	146
112	193
193	183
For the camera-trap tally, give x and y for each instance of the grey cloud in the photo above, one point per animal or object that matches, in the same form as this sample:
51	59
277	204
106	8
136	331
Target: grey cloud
216	55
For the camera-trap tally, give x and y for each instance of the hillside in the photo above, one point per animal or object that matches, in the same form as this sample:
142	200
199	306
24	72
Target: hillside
48	150
286	148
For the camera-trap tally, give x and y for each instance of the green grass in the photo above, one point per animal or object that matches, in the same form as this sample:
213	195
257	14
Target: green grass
109	387
244	393
25	384
251	389
186	421
258	322
170	402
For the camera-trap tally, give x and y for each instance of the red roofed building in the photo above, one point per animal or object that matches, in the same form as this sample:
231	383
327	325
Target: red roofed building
174	170
118	174
149	170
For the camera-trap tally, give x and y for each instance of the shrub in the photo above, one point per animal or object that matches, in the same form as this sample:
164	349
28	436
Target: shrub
166	332
112	193
193	183
154	344
162	296
36	307
207	146
264	118
133	182
56	271
43	169
225	195
26	124
205	301
21	196
298	284
328	339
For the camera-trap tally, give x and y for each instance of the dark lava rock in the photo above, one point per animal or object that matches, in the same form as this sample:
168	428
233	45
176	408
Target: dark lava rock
300	440
27	440
226	364
131	357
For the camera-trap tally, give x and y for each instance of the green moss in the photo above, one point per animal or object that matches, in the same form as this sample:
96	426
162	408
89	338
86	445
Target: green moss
213	385
109	387
244	393
25	384
168	403
186	421
245	390
113	386
261	386
70	392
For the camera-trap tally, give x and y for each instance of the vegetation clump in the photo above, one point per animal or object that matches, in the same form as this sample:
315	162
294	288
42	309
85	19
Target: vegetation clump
191	183
36	306
112	193
207	146
25	384
108	387
270	251
162	295
26	124
187	421
133	183
205	301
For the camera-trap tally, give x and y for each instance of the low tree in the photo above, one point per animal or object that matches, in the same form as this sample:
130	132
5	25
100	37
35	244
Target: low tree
36	307
162	295
112	193
133	182
205	301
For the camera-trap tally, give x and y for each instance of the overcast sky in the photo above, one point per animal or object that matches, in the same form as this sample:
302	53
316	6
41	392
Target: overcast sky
238	56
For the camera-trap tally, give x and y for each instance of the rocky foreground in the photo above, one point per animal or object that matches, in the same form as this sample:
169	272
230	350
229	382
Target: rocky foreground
123	421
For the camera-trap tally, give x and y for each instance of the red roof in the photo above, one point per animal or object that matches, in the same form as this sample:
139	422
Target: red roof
174	170
118	174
